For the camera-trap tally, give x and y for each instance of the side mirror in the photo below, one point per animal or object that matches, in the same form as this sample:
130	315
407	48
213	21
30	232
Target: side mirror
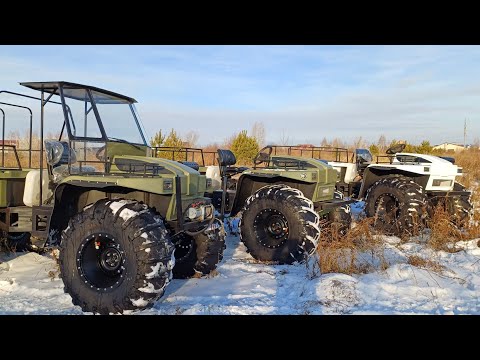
226	158
59	153
364	156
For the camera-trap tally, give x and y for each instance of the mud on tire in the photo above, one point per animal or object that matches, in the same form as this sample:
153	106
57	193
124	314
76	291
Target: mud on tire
115	255
279	224
397	204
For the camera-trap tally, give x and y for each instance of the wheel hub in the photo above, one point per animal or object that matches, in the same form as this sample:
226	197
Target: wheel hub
183	247
271	228
101	262
110	258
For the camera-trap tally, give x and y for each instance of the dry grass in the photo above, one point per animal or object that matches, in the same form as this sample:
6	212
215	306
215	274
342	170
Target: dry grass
357	252
361	250
427	264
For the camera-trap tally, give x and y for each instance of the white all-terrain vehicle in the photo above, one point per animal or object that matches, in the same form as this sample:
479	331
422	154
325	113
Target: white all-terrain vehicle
403	191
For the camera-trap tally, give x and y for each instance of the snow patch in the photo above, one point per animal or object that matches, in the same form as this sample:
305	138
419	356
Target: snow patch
155	270
88	206
149	288
140	302
125	213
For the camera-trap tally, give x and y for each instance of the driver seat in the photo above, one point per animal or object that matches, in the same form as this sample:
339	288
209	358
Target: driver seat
59	155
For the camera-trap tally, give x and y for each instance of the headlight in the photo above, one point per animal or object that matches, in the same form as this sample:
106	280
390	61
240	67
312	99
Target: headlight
168	184
199	211
439	182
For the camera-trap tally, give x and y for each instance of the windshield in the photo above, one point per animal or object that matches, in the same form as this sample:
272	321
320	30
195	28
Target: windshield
119	122
117	116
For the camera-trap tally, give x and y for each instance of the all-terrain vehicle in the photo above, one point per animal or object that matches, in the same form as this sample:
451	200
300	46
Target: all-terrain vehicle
125	222
205	163
281	201
401	190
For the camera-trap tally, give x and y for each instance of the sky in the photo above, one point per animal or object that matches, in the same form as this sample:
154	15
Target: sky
300	93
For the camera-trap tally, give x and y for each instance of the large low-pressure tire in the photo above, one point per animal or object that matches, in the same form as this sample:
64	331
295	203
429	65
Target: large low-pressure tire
339	220
458	207
199	254
115	255
279	224
17	241
461	209
397	204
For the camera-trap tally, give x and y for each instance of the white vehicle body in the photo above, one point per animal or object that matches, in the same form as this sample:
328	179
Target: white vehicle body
350	172
441	172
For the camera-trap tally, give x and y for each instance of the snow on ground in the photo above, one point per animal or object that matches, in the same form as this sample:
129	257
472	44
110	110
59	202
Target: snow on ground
245	287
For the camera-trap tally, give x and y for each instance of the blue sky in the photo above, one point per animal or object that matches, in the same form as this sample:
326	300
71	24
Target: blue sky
303	92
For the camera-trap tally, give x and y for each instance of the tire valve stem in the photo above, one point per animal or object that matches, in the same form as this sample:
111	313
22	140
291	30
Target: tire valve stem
97	245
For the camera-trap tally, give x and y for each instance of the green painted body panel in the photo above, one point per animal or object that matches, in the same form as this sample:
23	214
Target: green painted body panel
7	179
193	185
315	171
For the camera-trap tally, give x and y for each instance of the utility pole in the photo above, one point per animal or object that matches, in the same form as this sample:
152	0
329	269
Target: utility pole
465	134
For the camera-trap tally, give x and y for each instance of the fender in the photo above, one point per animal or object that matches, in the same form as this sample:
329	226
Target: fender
374	173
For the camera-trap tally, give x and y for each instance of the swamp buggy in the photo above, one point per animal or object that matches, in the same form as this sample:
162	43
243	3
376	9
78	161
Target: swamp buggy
116	212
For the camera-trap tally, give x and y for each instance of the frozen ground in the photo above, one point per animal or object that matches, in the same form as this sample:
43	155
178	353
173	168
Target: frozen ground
29	285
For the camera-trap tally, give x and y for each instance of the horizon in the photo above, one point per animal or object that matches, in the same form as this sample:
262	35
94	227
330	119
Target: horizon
306	93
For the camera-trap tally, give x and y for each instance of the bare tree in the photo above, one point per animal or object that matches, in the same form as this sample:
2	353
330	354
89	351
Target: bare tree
227	142
359	142
382	143
284	139
324	142
191	138
476	143
258	132
337	143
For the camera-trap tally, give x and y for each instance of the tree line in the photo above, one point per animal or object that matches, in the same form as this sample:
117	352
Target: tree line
245	145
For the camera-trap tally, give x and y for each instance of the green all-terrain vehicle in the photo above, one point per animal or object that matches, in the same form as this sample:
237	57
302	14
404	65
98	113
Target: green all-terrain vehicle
284	202
117	213
205	163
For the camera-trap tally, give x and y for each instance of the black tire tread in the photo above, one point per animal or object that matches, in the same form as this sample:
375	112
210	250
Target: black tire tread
157	251
299	205
412	204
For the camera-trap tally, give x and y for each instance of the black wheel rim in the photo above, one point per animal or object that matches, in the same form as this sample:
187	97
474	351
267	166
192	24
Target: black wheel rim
387	209
101	262
183	247
271	228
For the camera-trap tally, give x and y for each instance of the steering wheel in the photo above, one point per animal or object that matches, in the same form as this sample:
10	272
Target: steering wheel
396	149
97	154
263	155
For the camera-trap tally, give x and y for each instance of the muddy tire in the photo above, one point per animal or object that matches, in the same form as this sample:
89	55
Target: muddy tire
279	224
398	206
115	255
199	254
